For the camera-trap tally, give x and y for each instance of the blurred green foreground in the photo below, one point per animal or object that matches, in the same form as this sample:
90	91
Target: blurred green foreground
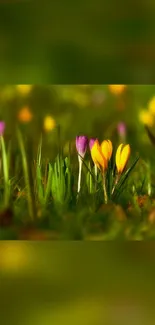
91	284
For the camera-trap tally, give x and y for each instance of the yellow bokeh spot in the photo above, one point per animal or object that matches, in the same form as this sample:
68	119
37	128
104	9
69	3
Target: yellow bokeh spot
25	115
117	89
146	118
49	123
24	89
13	256
151	105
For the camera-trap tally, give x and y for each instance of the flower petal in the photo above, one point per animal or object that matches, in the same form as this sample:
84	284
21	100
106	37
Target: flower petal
118	157
81	144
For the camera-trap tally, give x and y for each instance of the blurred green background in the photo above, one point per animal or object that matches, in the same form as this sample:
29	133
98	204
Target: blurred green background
93	110
77	42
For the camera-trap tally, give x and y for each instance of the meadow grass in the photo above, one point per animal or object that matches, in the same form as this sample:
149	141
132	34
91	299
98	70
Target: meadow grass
39	199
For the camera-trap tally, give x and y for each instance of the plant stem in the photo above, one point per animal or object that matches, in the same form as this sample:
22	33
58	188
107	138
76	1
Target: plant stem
149	188
79	177
116	182
96	172
26	175
105	189
5	172
95	177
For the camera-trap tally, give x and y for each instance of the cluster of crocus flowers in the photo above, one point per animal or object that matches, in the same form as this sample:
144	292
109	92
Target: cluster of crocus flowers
101	155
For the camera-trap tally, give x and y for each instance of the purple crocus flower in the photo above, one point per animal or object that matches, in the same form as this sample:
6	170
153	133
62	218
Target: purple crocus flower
2	127
121	128
91	142
81	145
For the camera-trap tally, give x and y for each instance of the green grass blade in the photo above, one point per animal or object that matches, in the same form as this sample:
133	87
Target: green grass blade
5	172
39	153
93	176
48	186
40	190
26	175
124	178
9	154
68	178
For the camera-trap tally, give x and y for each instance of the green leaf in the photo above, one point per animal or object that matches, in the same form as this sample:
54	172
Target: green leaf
26	176
40	190
39	153
49	182
5	172
124	178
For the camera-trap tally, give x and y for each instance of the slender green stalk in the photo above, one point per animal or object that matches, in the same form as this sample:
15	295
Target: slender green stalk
26	175
39	185
115	184
39	154
5	172
48	185
37	168
68	179
95	171
0	166
95	177
79	176
46	174
9	154
105	189
89	180
149	187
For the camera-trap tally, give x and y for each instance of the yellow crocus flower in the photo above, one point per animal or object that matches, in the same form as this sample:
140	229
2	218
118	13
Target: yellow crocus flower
122	157
98	157
106	148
